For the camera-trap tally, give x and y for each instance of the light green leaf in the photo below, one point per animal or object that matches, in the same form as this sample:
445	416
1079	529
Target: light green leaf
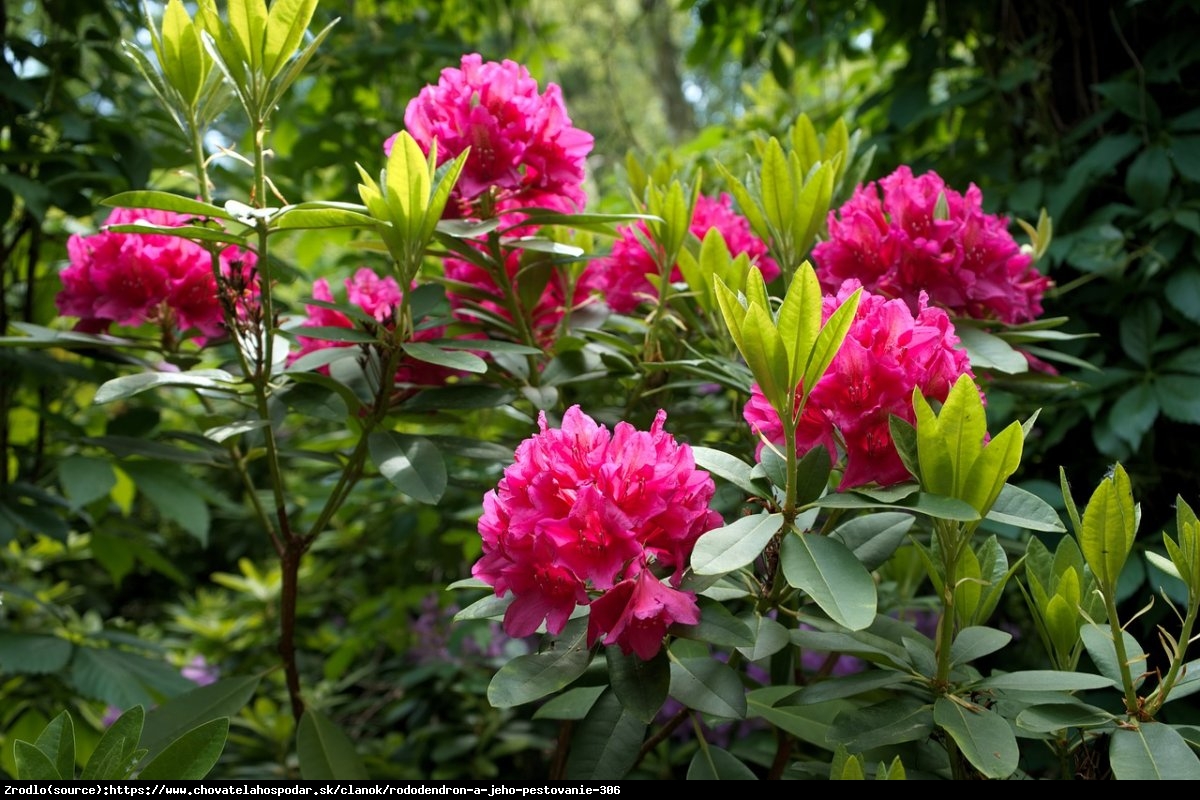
1046	680
190	757
286	24
830	574
735	545
324	751
531	677
830	339
708	686
988	351
874	537
413	464
605	745
714	764
1152	752
729	467
641	686
984	737
129	385
1108	529
1024	509
800	320
165	201
451	359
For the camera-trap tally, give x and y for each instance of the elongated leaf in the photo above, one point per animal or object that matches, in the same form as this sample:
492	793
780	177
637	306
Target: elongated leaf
769	638
830	339
988	351
1108	529
717	626
302	218
845	686
286	24
1099	644
129	385
932	505
1046	680
641	686
451	359
1152	752
34	765
195	233
735	545
530	677
709	686
729	467
976	642
165	201
900	719
113	757
171	720
572	704
33	653
983	736
191	756
714	764
413	464
830	574
324	751
1024	509
1053	717
57	741
606	743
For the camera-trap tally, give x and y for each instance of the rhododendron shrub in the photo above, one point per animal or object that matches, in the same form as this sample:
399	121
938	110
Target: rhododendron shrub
621	276
886	354
379	297
135	278
524	150
585	516
906	235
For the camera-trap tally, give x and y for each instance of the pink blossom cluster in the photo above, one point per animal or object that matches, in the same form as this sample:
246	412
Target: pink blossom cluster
583	511
886	354
524	151
134	278
621	276
379	297
479	286
902	244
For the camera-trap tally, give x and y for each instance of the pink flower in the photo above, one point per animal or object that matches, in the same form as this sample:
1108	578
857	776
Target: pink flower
584	512
524	151
477	298
886	354
134	278
637	612
621	277
900	246
378	297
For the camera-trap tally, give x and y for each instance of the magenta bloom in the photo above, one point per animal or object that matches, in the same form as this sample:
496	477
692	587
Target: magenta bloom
477	297
886	354
582	516
524	151
899	246
621	277
134	278
378	297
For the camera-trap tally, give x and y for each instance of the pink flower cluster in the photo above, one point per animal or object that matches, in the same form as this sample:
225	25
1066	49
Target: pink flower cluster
582	511
524	151
378	297
886	354
133	278
900	245
621	276
543	318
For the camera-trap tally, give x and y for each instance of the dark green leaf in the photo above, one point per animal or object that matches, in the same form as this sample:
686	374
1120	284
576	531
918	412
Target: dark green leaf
605	746
1053	717
714	764
34	765
451	359
174	494
900	719
113	758
1149	178
1179	397
717	626
709	686
169	721
572	704
57	741
531	677
84	479
1046	680
325	752
192	756
32	653
844	686
641	686
124	679
768	635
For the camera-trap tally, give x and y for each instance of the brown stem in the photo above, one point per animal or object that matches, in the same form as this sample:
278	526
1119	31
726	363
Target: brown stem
290	565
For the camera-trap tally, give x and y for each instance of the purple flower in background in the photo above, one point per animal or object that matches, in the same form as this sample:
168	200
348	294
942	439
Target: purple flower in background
198	671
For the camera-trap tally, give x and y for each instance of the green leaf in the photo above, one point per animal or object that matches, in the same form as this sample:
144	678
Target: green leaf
572	704
830	574
178	715
807	723
324	751
1138	331
1024	509
1152	752
900	719
531	677
129	385
735	545
413	464
717	626
1134	413
1046	680
996	461
113	757
165	201
286	24
641	686
729	467
844	686
451	359
181	57
768	635
874	537
800	321
988	351
976	642
1149	178
714	764
1179	397
605	745
709	686
248	21
1099	644
933	505
124	679
173	493
313	216
984	737
33	764
830	339
1108	529
192	756
1052	717
33	653
57	741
